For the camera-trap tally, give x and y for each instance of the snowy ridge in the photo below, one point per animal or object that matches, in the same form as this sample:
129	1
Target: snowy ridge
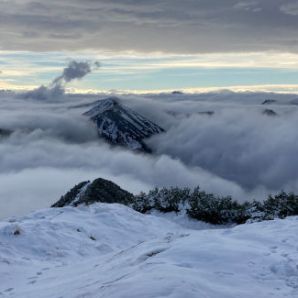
103	106
112	251
122	126
80	194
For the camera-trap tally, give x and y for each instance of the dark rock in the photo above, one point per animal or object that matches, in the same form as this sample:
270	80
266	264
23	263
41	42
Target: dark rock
268	101
17	232
5	132
100	190
176	92
208	113
70	196
269	112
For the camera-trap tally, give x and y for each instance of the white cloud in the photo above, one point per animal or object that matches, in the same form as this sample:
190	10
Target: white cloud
253	6
237	151
290	8
54	147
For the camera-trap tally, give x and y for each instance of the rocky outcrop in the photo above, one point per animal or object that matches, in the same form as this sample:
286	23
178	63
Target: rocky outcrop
100	190
119	125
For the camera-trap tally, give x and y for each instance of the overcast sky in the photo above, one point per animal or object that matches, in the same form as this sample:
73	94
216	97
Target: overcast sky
151	40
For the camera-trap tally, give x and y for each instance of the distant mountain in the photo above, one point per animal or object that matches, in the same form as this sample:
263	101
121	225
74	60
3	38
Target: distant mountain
120	125
177	92
269	112
5	132
268	102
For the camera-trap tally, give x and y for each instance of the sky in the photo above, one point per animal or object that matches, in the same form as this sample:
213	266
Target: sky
149	46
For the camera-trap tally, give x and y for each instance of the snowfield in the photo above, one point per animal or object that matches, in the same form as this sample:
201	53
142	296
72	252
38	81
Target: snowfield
109	250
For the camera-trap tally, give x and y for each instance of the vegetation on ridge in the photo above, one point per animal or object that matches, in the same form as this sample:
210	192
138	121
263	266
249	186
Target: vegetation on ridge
196	203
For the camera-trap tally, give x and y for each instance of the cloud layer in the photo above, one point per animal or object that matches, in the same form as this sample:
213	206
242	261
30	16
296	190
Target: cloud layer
235	151
230	135
148	26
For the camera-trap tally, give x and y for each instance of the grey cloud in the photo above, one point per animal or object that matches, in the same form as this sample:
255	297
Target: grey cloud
248	6
171	26
74	71
237	151
290	8
45	93
238	143
54	147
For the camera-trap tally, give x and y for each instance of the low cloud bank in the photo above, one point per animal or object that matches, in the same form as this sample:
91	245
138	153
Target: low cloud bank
236	151
229	135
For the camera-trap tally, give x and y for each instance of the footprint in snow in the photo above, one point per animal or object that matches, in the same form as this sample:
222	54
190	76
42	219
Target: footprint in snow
184	235
273	249
185	265
223	273
32	282
144	257
171	236
45	269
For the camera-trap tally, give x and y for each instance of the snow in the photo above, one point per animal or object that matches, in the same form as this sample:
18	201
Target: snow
79	195
102	106
109	250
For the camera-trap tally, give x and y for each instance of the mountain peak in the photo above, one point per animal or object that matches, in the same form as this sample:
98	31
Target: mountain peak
99	190
120	125
103	105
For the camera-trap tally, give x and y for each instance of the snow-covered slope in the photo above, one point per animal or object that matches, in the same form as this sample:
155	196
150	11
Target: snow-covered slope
122	126
112	251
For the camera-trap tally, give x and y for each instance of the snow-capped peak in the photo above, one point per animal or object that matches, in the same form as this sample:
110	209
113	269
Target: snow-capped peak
121	125
102	106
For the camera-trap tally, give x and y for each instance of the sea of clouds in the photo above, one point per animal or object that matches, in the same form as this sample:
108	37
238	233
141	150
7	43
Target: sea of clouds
221	141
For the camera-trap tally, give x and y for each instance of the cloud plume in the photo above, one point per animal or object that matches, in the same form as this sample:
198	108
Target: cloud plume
75	70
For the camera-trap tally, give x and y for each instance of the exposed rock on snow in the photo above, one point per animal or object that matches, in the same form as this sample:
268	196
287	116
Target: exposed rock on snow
100	190
120	125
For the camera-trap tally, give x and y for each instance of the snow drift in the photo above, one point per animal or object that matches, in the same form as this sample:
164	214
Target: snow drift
112	251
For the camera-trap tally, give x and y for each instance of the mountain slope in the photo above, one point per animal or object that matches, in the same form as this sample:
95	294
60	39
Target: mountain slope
99	190
120	125
109	250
